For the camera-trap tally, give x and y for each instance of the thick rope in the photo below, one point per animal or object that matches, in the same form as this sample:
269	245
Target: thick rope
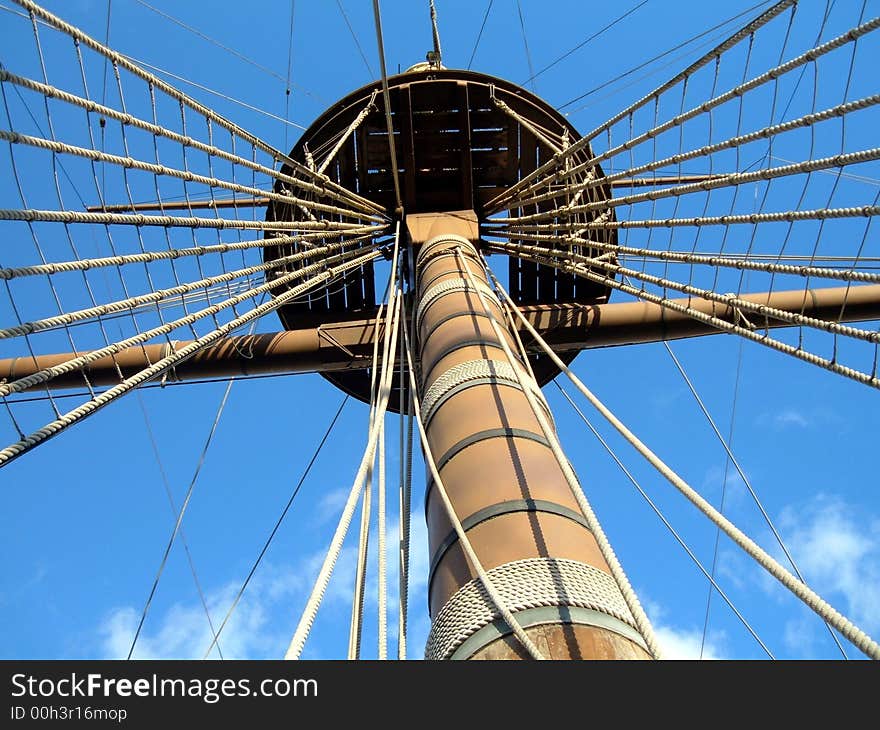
120	219
770	75
785	216
807	120
60	267
127	119
733	179
86	409
310	611
405	489
360	576
665	522
120	61
382	607
157	169
725	444
356	122
465	542
79	362
562	260
313	603
161	294
825	611
629	596
742	33
357	605
742	264
762	339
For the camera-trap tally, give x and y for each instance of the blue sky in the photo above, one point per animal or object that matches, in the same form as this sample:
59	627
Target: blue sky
84	518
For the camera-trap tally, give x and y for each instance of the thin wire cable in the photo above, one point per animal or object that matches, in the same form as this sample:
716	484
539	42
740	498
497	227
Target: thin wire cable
744	32
480	34
179	521
214	92
730	458
289	70
354	37
584	42
183	539
858	637
195	31
84	410
278	522
463	538
656	58
386	96
717	541
525	40
663	519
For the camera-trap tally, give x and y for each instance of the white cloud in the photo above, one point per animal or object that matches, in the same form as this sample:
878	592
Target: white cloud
790	417
331	503
784	418
253	632
681	643
684	643
182	631
839	554
731	484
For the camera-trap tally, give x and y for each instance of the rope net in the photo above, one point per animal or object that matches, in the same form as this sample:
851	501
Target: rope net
741	174
132	219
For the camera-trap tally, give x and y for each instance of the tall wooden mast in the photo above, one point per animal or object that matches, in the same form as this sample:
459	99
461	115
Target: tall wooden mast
507	489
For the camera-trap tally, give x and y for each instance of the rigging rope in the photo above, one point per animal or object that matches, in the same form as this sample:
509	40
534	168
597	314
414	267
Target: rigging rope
525	40
463	538
731	459
310	611
386	96
580	45
174	511
480	34
617	573
178	524
672	531
277	525
289	71
355	38
314	601
405	396
99	401
858	637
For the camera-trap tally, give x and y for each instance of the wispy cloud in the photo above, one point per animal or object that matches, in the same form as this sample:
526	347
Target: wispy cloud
182	631
685	644
786	418
682	643
716	481
330	505
261	626
838	551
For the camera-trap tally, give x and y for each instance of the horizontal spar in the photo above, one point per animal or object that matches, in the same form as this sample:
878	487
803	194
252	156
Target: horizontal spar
349	345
